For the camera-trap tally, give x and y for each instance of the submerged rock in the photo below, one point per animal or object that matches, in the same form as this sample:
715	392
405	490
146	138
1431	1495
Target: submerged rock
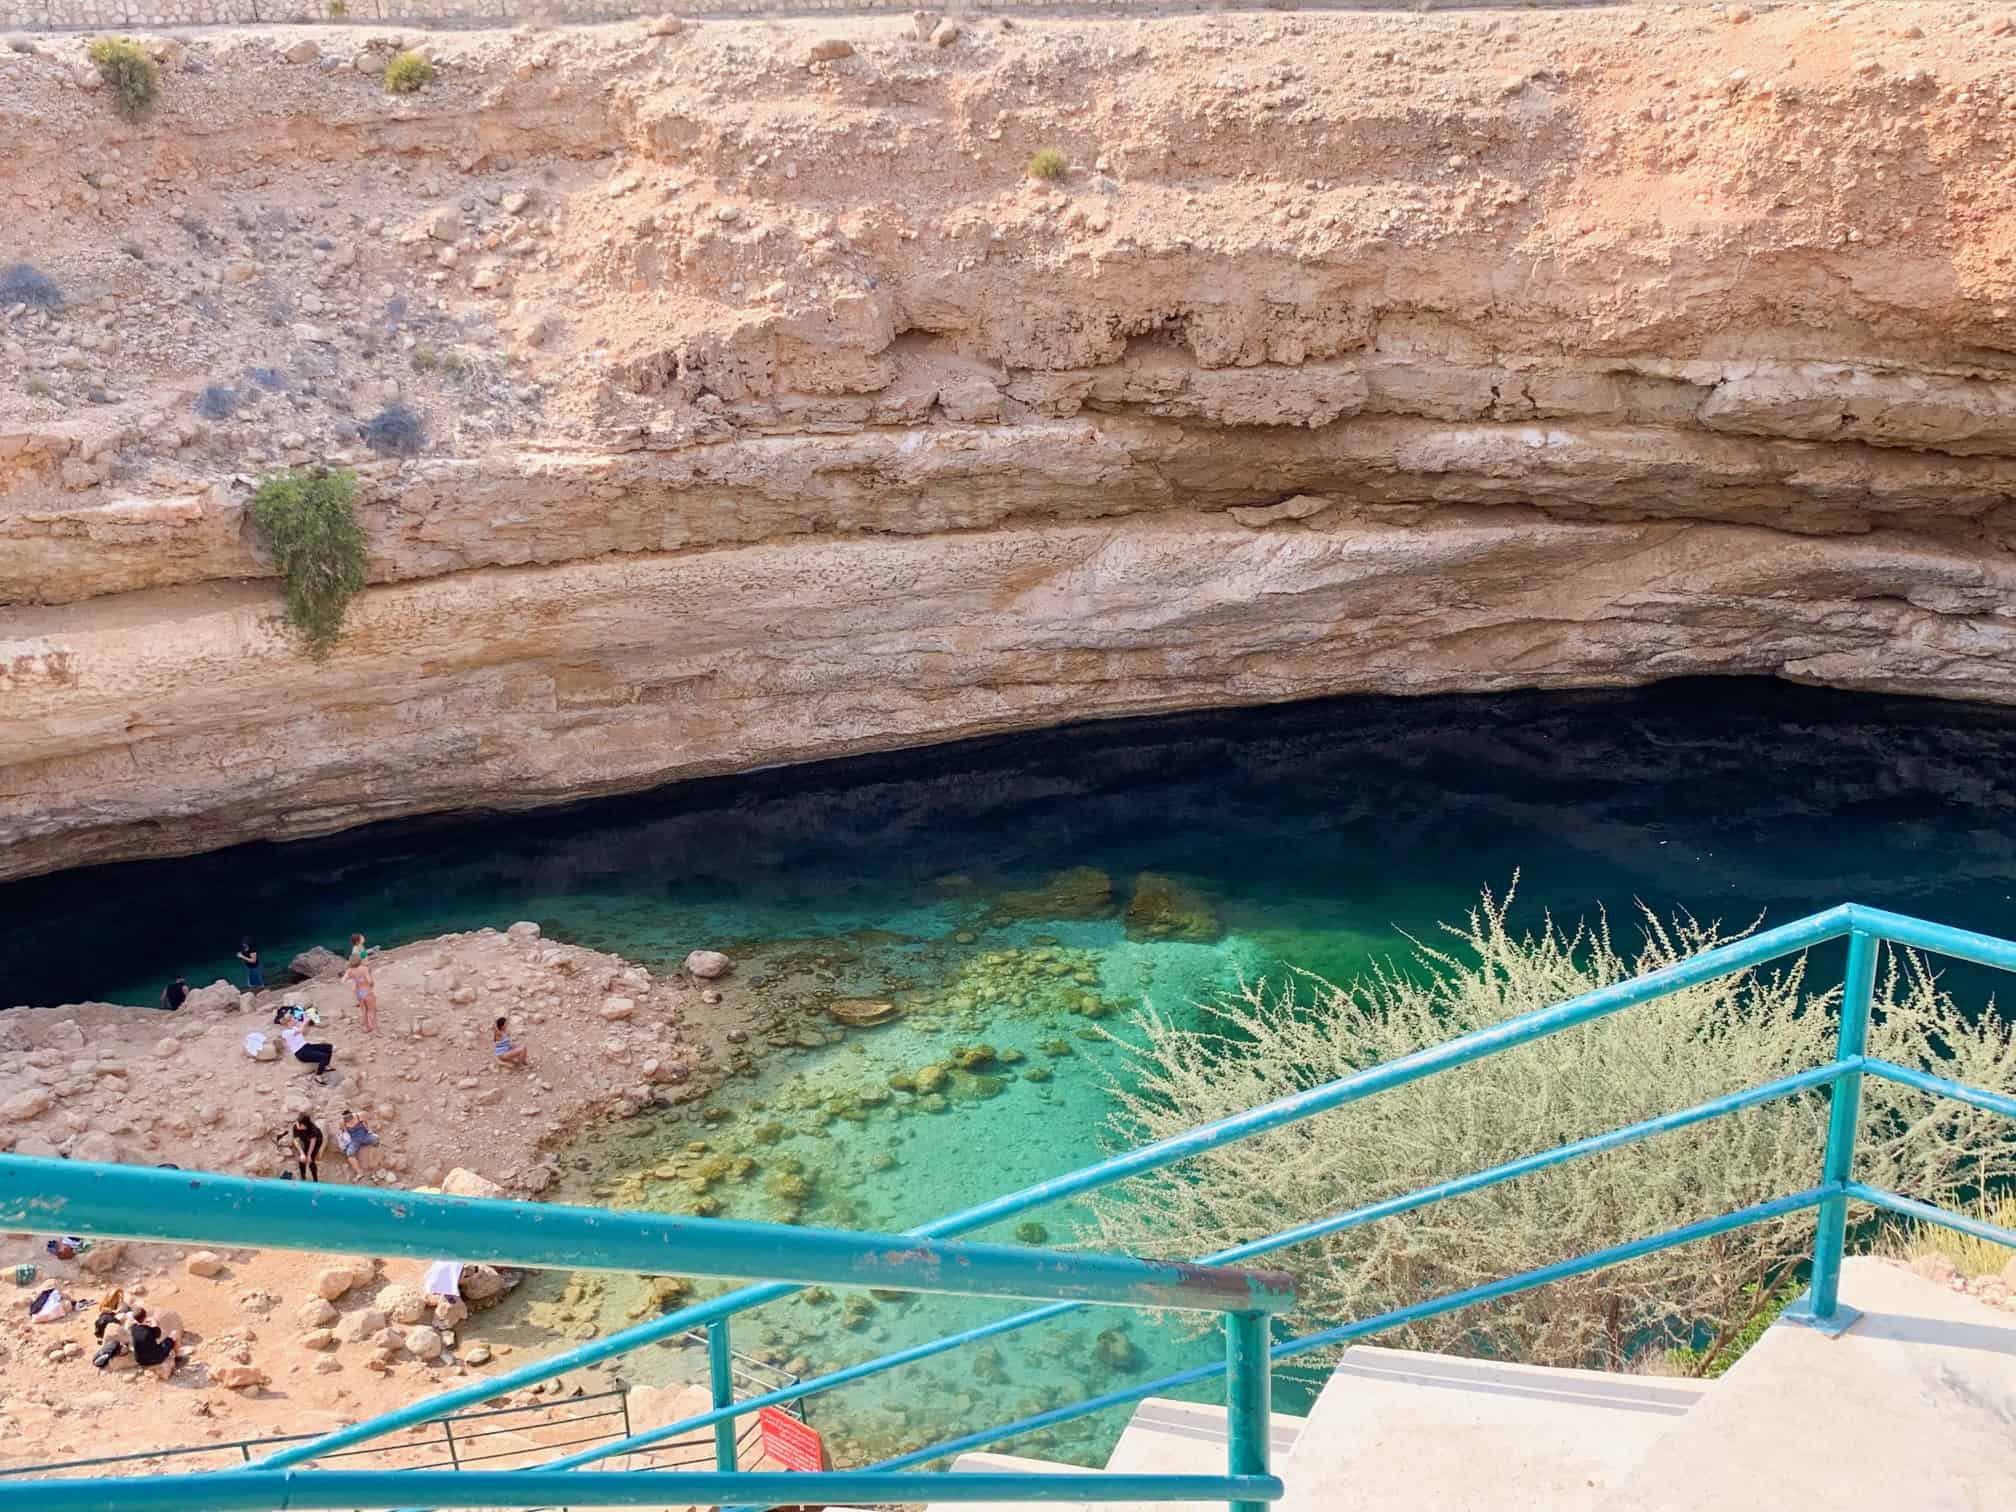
1079	892
863	1013
1115	1350
1164	909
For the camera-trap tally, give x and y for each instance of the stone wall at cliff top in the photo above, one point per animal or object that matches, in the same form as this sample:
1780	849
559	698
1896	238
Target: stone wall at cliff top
772	412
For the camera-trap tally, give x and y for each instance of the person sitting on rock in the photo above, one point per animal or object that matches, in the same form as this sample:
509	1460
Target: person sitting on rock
353	1139
507	1050
154	1342
317	1053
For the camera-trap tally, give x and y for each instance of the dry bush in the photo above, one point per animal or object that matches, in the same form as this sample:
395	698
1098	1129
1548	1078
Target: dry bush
1269	1039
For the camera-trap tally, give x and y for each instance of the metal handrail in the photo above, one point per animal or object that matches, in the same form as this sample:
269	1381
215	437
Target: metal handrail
1852	920
1248	1347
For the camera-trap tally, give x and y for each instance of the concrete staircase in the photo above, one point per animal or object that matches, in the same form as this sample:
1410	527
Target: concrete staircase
1912	1410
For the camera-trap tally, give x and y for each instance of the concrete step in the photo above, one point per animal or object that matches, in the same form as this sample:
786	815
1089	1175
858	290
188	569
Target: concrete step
1435	1433
1164	1437
1914	1407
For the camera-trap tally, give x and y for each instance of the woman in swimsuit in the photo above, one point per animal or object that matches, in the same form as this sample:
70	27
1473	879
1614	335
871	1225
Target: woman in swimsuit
502	1046
359	977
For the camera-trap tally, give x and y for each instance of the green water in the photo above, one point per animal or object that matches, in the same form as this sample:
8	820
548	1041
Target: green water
1317	835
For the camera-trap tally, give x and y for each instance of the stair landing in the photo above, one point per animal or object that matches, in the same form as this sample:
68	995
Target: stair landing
1912	1408
1396	1428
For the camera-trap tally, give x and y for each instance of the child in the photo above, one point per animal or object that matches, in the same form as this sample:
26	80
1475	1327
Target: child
353	1139
502	1046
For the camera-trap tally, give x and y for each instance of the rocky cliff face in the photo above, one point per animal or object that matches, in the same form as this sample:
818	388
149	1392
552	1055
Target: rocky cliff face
768	409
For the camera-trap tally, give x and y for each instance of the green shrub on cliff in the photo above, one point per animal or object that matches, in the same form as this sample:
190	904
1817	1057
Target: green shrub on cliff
308	520
1269	1039
407	73
1049	163
132	76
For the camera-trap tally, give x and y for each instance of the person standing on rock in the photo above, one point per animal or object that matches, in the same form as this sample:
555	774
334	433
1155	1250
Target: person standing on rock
248	957
176	994
358	975
307	1136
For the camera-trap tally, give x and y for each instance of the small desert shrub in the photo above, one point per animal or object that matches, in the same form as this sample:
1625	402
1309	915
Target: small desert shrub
338	9
425	358
308	520
395	431
1049	164
133	76
1267	1039
268	378
37	388
24	283
407	73
216	402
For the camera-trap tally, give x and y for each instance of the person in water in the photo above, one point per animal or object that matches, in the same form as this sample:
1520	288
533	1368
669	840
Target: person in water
307	1137
508	1051
248	957
175	996
358	975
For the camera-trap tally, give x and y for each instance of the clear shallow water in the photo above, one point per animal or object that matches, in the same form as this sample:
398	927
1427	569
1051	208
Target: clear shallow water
1313	834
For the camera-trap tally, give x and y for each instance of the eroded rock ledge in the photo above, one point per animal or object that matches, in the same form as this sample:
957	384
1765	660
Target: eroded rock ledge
773	413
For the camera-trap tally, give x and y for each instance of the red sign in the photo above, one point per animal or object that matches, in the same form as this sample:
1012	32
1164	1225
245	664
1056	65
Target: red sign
794	1445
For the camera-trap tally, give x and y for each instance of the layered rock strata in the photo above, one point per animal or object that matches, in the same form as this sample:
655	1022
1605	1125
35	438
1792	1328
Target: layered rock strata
784	417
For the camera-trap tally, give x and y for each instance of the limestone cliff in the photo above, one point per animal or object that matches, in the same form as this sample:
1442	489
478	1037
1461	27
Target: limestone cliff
768	409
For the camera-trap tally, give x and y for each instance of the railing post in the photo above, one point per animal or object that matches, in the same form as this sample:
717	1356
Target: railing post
448	1432
1249	1412
721	1368
1821	1306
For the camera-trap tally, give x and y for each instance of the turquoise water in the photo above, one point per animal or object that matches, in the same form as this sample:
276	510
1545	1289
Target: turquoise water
1313	834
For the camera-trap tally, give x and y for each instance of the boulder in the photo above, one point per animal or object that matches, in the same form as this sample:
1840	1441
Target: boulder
316	962
862	1013
708	964
401	1304
945	33
365	1325
923	23
524	929
239	1377
36	1147
616	1008
316	1313
31	1103
1936	1267
443	224
102	1258
423	1343
665	26
831	49
318	1338
303	51
929	1079
1078	892
167	1046
334	1281
482	1283
449	1311
465	1183
203	1263
218	997
96	1147
1164	909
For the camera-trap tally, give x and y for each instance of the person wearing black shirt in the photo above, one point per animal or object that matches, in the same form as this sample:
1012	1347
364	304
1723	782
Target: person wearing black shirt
307	1147
178	991
154	1342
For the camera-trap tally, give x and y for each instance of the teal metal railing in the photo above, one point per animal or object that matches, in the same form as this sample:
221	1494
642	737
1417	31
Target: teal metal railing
1248	1344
